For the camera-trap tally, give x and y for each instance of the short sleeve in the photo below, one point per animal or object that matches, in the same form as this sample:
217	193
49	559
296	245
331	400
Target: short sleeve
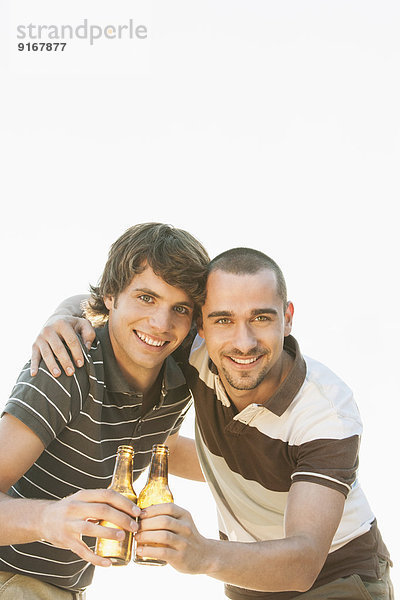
329	462
44	403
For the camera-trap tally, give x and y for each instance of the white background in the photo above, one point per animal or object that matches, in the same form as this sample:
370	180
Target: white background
268	124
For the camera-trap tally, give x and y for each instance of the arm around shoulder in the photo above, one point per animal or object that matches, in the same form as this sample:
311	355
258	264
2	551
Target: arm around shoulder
62	328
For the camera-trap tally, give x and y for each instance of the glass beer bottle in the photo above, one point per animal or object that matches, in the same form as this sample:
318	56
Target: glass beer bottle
119	552
156	491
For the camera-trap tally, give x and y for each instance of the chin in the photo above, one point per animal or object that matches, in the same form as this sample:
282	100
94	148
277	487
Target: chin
245	383
244	387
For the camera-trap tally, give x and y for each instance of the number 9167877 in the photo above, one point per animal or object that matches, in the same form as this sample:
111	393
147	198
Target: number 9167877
42	46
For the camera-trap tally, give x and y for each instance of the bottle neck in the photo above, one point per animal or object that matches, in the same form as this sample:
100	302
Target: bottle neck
123	470
159	466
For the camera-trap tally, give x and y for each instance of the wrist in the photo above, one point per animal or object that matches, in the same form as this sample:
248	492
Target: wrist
212	557
41	519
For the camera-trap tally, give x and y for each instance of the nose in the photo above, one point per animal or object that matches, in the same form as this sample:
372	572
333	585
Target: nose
160	320
244	339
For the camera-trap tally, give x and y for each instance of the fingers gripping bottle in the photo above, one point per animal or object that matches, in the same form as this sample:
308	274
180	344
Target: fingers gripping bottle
119	552
156	491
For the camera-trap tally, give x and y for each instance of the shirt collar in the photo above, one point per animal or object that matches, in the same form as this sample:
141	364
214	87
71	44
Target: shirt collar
114	379
290	386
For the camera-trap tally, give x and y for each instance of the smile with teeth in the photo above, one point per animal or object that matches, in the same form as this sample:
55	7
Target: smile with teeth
150	341
244	361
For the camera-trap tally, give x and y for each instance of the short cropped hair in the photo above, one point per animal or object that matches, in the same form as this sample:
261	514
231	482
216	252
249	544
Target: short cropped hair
247	261
173	254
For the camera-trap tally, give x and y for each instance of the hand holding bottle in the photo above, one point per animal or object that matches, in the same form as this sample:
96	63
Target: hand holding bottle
63	522
167	532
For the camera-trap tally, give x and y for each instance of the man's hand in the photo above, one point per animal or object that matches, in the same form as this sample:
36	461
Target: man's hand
292	562
49	344
64	522
168	532
60	522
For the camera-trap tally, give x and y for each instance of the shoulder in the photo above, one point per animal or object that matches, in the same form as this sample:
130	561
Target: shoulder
323	383
325	406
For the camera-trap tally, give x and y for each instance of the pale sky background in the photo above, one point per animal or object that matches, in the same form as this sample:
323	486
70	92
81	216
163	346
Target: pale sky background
268	124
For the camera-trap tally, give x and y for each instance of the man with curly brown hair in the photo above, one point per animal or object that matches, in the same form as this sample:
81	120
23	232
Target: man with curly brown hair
64	431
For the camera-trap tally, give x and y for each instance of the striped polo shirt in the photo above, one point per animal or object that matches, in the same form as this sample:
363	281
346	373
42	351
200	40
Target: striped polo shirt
309	430
82	420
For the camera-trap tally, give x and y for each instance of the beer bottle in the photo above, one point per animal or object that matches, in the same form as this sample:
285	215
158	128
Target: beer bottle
156	491
119	552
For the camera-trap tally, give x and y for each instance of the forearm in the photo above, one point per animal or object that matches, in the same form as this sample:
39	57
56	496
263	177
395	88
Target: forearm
273	566
20	521
183	460
72	306
292	562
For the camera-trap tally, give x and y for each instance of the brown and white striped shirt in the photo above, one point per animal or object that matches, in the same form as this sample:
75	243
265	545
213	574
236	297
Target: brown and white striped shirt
309	430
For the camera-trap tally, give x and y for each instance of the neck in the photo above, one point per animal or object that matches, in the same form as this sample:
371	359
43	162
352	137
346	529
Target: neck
265	390
141	380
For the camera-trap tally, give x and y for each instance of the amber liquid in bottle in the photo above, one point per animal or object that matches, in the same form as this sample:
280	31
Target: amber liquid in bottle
119	552
156	491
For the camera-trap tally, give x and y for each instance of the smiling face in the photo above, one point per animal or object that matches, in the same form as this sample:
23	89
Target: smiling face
147	321
244	325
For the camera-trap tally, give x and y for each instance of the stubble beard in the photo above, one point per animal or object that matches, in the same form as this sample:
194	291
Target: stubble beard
246	381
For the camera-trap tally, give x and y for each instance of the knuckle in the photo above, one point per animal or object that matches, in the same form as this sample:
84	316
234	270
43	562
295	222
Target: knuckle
182	544
72	505
70	508
186	530
45	351
78	495
107	512
163	553
165	522
89	528
71	340
111	495
165	537
107	495
58	347
61	324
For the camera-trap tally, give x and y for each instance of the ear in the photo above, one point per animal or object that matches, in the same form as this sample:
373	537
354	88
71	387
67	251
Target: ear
289	318
109	302
199	323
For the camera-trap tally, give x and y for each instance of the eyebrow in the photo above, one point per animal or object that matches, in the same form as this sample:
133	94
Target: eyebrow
152	293
254	313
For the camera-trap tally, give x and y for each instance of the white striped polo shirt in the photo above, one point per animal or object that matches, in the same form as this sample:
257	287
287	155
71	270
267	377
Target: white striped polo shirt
309	430
82	420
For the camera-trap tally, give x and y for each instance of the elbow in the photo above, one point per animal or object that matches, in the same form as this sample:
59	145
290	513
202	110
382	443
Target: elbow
306	574
305	582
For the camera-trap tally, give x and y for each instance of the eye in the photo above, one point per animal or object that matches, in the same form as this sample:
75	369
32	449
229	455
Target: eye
182	310
146	298
262	318
223	321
